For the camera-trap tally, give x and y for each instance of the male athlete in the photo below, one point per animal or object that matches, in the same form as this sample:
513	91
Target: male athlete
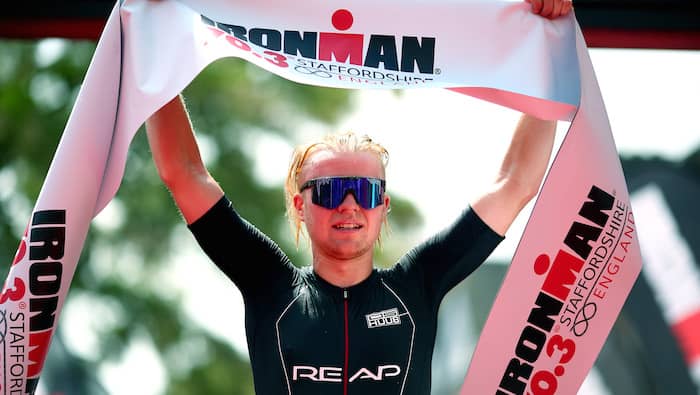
339	325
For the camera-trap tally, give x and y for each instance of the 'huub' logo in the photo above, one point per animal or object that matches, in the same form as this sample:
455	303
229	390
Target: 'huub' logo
383	318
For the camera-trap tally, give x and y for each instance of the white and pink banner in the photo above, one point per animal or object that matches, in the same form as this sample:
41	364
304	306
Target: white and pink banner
577	259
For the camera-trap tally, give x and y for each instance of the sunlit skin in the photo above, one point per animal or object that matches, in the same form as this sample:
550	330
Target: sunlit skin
342	239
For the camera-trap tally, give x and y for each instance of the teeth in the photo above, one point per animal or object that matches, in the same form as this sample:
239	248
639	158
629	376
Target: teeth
347	226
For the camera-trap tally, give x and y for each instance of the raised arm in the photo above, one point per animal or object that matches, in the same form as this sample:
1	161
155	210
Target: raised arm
521	173
179	163
527	157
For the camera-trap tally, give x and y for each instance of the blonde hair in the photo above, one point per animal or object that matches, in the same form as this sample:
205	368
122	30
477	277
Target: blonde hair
338	142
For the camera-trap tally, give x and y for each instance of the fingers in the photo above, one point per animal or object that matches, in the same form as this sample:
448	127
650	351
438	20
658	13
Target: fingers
567	6
551	8
556	9
536	6
547	8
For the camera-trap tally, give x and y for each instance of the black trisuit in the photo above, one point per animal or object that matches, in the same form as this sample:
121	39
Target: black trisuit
307	336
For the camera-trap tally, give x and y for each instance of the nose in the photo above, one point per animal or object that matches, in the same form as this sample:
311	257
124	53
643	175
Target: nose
349	203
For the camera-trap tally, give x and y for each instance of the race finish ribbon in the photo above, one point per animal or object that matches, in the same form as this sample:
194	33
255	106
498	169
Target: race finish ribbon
577	259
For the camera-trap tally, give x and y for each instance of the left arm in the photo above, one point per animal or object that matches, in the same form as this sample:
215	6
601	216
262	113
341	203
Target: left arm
521	173
527	157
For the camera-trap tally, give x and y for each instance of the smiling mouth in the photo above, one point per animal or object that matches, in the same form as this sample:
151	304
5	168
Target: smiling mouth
347	226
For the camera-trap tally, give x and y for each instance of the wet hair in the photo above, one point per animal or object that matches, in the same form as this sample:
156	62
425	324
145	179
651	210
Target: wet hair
336	142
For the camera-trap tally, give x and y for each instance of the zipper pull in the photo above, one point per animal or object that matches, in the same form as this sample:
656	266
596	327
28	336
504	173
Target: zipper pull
345	294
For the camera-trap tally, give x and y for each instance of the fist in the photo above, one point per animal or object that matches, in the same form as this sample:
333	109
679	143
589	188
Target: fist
551	8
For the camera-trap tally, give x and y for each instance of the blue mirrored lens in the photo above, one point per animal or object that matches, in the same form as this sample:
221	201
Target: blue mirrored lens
329	192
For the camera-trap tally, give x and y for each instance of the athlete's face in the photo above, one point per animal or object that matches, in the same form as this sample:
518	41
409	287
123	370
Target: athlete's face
349	230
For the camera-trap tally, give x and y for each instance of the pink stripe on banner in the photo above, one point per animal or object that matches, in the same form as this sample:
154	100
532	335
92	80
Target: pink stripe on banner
40	276
572	271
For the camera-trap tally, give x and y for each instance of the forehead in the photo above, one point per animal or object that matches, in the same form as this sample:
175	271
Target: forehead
324	163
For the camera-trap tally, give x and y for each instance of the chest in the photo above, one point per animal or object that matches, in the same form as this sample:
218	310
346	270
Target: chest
353	340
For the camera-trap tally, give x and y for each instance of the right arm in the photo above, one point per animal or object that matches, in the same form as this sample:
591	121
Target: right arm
179	163
219	230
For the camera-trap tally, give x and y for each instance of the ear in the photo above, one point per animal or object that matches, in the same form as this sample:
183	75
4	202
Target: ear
387	205
299	205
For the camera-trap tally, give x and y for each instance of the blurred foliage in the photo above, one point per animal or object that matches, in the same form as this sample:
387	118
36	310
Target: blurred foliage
121	265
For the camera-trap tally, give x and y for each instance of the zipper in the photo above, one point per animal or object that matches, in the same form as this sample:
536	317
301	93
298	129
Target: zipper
347	343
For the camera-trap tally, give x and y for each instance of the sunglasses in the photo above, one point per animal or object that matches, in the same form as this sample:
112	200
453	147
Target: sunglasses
329	192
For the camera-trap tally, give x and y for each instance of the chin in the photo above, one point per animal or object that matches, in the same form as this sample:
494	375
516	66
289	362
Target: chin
348	252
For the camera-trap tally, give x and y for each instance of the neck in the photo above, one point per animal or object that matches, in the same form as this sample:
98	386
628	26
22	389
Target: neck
343	272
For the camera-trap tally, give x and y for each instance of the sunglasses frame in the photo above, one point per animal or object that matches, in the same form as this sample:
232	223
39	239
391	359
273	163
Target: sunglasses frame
317	200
